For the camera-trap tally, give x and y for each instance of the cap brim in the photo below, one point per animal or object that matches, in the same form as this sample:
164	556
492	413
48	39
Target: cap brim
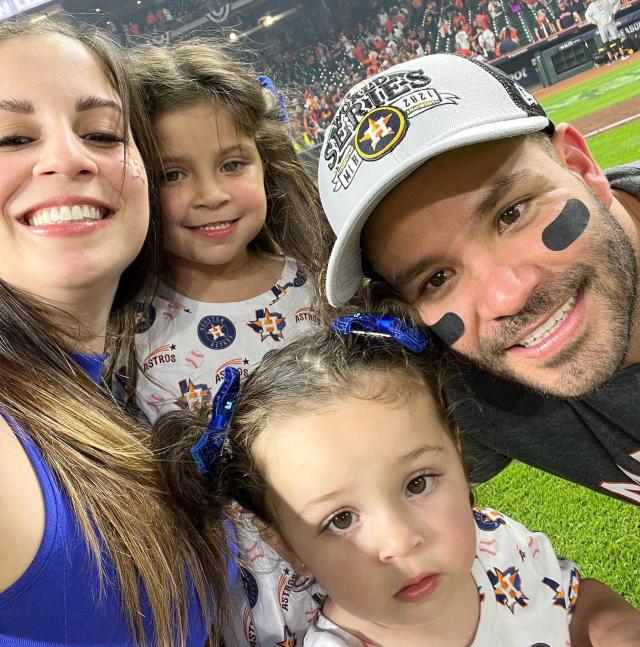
344	270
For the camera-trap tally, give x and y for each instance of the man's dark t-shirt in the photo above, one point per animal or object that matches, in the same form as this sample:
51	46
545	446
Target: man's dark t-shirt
566	19
593	440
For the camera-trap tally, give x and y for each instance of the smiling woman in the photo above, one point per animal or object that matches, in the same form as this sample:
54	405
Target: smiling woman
92	550
68	196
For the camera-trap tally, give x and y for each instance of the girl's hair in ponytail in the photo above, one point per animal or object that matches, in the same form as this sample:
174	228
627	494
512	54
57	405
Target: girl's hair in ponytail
306	376
177	76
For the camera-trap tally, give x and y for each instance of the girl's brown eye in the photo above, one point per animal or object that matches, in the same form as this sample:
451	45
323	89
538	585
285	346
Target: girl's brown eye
417	485
342	520
421	484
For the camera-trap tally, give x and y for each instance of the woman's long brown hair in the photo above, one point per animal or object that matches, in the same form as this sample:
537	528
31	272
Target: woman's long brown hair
98	454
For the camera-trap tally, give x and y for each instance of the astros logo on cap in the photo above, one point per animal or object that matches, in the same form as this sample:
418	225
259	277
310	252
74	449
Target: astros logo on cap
379	131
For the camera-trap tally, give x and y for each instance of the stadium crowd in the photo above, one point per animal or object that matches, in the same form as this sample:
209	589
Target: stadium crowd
393	33
152	18
375	37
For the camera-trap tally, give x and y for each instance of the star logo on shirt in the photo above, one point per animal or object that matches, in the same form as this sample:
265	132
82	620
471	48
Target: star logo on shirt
507	587
558	593
268	324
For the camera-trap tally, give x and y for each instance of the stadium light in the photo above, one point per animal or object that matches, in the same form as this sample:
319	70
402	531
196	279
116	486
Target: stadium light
268	20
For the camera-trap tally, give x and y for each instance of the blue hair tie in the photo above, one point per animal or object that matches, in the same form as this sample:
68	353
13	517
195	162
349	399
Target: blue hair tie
268	84
368	323
207	452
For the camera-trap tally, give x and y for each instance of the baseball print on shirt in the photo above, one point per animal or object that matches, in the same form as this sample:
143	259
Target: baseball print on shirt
184	345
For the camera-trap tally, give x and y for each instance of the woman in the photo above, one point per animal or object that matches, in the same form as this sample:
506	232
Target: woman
92	549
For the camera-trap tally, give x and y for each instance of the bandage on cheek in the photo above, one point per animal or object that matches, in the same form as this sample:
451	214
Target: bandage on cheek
449	328
567	227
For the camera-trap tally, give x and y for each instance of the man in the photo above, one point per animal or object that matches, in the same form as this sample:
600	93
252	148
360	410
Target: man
566	17
600	13
448	183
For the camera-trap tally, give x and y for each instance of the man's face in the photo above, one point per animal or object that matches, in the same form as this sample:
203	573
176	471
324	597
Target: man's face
513	262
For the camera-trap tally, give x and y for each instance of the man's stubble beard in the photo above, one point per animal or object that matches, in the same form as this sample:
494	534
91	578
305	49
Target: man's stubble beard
583	365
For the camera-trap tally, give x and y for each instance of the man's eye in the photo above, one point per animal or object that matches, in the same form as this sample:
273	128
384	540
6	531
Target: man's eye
437	280
508	217
341	521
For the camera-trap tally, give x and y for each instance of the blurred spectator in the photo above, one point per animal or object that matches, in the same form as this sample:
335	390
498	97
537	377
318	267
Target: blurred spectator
462	41
577	6
506	43
543	27
443	28
494	8
482	20
566	18
487	42
151	20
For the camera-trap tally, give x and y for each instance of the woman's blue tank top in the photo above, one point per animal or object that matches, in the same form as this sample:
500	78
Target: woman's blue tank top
56	600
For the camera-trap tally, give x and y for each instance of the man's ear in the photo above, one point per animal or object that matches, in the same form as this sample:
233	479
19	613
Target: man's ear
572	150
277	542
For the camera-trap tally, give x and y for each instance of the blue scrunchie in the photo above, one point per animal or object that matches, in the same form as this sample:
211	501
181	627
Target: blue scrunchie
268	84
400	330
207	452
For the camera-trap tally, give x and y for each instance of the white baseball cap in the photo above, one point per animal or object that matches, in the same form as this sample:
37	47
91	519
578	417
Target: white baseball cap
392	123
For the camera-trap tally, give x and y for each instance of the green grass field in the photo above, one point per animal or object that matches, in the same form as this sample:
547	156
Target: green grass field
601	534
620	83
617	146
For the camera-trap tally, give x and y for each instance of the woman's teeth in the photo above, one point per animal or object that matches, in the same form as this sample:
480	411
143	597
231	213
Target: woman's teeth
55	215
550	325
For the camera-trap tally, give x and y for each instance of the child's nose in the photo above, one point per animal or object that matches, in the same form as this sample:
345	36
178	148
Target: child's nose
210	195
397	537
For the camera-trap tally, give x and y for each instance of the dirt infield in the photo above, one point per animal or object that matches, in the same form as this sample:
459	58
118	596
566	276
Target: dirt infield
601	118
590	124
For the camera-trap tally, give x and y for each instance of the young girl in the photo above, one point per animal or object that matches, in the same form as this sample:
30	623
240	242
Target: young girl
93	551
237	208
341	448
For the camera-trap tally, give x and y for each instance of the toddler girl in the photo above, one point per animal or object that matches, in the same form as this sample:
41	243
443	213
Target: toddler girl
237	208
340	446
